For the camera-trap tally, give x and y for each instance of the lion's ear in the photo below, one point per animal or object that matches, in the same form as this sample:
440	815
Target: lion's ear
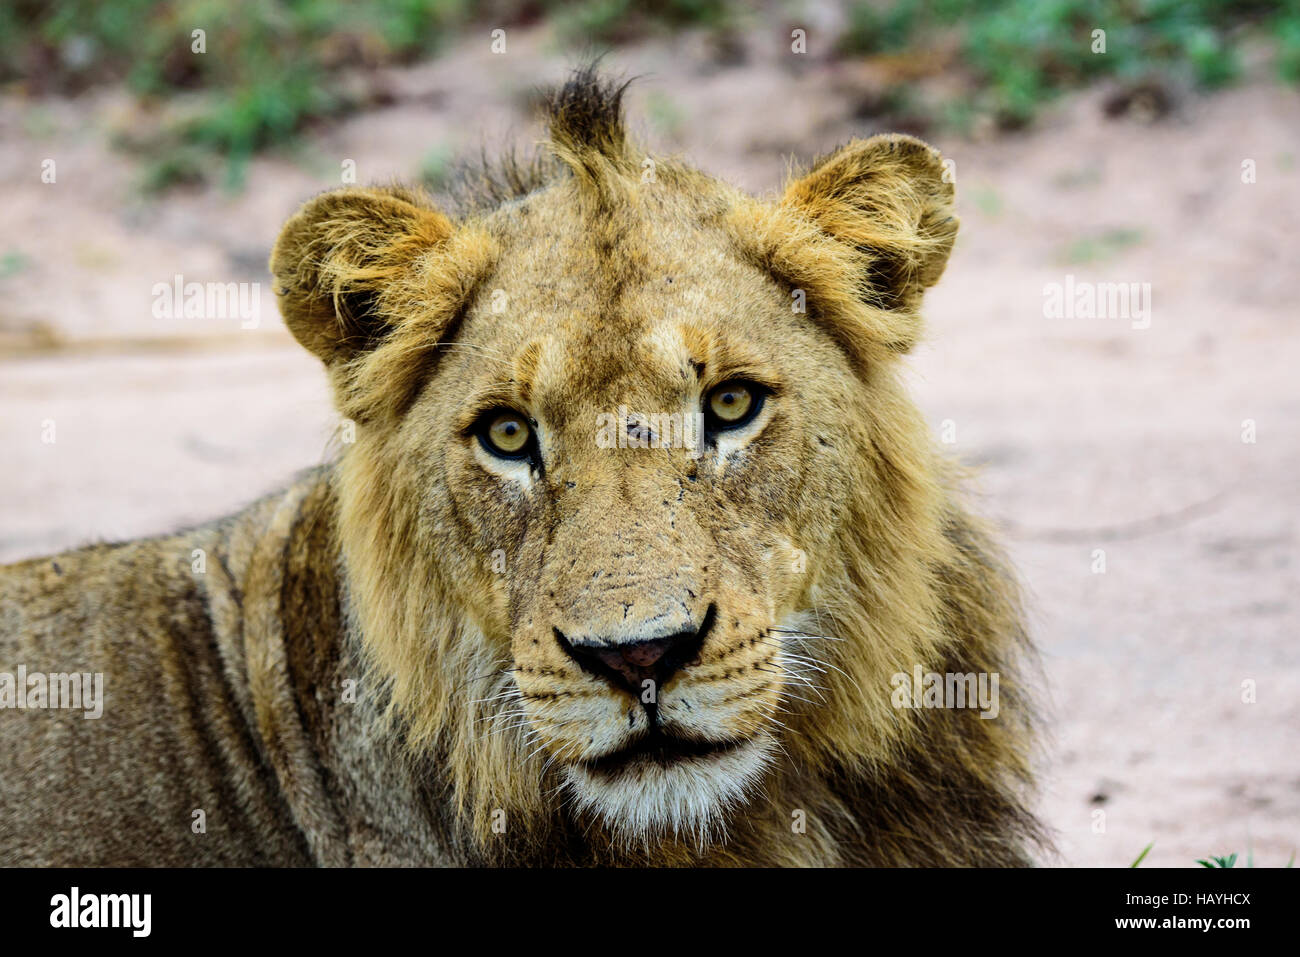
340	255
889	198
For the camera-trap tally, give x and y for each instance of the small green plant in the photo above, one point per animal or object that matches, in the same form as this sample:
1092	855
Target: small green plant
1213	862
177	164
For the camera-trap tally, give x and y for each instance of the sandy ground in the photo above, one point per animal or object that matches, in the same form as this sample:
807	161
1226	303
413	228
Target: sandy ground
1092	434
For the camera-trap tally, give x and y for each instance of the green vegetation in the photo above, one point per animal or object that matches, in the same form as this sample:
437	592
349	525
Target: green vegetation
436	170
666	116
1024	52
261	70
263	65
1099	247
12	261
1213	862
267	68
618	21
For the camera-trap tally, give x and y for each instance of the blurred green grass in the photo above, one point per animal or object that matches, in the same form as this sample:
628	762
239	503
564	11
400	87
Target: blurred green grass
268	65
1023	53
263	74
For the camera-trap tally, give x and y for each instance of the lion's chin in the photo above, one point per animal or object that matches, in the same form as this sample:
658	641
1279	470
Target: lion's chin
645	799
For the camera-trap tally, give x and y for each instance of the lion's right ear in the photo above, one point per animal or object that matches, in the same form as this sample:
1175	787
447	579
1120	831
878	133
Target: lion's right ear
890	199
342	262
862	236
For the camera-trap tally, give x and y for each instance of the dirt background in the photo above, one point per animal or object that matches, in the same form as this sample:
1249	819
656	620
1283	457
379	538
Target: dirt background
1091	434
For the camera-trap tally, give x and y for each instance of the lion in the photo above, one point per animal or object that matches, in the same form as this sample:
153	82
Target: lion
638	553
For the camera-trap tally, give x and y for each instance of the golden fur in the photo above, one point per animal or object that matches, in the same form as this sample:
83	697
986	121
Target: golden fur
825	543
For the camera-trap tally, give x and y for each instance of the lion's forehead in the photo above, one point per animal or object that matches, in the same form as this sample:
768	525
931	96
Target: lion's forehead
559	257
649	351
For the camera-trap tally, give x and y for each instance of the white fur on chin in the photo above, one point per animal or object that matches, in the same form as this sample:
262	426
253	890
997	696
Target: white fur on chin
688	798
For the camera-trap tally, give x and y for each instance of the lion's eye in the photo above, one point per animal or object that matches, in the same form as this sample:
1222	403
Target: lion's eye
733	404
506	434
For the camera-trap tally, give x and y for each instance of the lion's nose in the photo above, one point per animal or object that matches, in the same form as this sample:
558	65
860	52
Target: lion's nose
628	664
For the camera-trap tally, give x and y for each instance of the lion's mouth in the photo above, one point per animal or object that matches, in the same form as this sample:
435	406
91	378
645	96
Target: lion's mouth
663	784
658	748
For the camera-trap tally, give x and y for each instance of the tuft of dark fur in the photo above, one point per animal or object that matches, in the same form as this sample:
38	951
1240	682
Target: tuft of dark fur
586	114
584	118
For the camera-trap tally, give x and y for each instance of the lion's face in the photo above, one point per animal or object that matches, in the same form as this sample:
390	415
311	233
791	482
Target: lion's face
620	445
637	591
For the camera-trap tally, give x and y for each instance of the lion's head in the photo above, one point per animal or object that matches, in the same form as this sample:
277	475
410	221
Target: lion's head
637	522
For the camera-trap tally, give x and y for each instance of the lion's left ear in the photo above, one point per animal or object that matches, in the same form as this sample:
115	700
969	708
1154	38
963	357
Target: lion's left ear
889	198
341	255
370	281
